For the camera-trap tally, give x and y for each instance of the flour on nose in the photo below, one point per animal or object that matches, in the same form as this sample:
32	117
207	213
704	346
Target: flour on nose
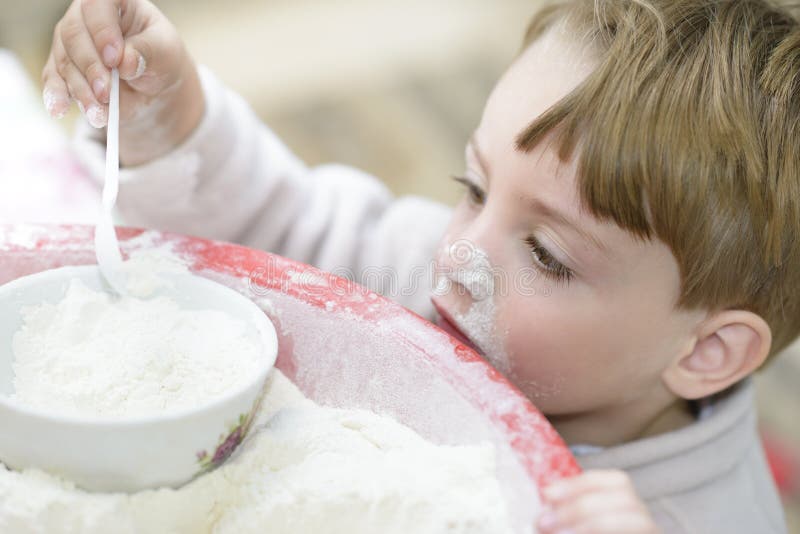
472	269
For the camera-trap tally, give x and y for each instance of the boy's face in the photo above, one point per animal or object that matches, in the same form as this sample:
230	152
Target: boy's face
582	315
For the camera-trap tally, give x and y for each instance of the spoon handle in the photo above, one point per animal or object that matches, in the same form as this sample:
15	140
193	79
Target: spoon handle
109	257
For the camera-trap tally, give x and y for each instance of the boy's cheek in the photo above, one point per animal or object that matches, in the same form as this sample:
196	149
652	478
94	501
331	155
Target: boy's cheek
540	367
548	389
569	356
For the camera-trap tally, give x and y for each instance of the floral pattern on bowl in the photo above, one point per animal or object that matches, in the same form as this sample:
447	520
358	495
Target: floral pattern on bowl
228	442
226	445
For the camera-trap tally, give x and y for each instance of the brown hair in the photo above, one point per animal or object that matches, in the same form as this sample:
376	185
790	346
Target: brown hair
689	131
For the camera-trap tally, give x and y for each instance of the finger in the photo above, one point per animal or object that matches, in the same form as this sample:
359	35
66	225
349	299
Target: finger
150	58
587	507
619	523
54	93
134	62
597	480
95	112
102	20
78	88
136	50
80	48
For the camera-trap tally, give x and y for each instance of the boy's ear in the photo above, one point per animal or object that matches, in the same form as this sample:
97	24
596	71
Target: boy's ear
727	346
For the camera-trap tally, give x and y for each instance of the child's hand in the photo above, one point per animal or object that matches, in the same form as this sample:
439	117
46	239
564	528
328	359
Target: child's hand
161	100
596	502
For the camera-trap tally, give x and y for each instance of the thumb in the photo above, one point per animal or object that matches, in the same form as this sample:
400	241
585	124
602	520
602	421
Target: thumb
152	59
133	62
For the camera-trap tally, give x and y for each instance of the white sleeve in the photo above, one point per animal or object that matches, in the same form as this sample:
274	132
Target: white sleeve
234	180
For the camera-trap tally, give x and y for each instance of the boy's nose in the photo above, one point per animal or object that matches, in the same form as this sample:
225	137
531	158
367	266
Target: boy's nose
465	273
455	297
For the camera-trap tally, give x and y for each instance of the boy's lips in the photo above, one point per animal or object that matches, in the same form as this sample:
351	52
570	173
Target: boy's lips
446	323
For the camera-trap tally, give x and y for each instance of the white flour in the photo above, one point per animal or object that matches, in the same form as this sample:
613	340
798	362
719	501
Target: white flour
92	355
305	469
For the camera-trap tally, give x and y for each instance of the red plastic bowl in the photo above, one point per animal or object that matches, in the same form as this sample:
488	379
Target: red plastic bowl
346	346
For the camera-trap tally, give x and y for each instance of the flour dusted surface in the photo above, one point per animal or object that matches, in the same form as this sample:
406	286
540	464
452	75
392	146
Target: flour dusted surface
305	469
90	354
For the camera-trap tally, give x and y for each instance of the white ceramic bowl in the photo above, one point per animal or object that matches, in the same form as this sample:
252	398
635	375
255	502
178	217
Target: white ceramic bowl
127	454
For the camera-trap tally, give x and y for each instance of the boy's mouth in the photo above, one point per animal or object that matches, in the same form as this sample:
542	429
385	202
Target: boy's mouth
445	321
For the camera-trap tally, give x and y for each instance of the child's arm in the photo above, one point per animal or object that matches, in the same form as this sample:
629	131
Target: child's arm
596	502
233	179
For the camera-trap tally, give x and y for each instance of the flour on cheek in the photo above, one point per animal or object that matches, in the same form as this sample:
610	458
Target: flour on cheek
474	273
479	323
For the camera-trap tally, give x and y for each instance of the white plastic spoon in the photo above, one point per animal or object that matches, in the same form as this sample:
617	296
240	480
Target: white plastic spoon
106	245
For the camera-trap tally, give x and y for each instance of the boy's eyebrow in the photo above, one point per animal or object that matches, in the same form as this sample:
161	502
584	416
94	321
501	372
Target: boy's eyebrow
560	218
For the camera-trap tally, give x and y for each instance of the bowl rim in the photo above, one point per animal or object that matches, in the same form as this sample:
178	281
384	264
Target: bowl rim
264	325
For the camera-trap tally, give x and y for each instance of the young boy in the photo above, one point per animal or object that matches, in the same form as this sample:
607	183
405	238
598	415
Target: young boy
640	155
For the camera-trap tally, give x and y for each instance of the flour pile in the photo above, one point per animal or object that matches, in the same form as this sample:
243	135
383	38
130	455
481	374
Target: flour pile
305	469
92	355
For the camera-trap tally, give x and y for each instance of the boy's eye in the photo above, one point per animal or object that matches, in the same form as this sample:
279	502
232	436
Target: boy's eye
475	193
547	263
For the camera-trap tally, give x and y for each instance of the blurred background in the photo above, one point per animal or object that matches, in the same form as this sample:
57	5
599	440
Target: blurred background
394	87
